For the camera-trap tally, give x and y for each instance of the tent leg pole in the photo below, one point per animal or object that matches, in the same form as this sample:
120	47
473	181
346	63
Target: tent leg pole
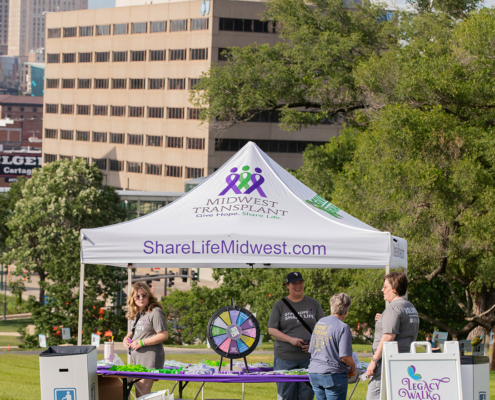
405	273
129	285
387	271
81	304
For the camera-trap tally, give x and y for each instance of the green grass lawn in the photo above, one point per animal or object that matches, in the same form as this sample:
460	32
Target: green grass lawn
14	324
20	380
13	307
9	340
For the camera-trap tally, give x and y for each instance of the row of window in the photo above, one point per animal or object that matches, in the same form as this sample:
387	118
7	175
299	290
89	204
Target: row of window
135	167
122	83
133	139
268	146
22	109
124	111
131	55
195	24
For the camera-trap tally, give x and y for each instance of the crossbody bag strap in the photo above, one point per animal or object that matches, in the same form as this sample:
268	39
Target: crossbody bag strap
302	321
135	324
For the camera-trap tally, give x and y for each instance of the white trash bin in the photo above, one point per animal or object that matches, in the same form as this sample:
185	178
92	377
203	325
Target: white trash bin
475	375
68	373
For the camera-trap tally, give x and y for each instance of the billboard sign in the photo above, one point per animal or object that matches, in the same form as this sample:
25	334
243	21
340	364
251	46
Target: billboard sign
15	165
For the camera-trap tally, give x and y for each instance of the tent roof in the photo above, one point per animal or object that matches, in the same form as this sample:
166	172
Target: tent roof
249	212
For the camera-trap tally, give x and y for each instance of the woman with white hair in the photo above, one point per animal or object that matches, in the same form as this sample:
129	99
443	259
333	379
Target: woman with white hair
331	352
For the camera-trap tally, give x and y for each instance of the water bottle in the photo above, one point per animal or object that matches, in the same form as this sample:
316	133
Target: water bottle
109	352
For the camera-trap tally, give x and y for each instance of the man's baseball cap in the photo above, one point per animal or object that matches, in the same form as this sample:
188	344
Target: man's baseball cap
294	277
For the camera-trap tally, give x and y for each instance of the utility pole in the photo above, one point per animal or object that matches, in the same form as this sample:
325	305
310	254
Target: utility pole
5	297
165	281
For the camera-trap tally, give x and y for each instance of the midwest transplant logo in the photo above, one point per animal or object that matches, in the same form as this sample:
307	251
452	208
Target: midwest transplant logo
419	388
244	182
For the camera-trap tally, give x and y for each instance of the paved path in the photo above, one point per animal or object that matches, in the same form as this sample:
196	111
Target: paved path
17	334
17	316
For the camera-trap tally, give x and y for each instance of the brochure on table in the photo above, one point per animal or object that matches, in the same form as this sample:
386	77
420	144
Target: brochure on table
421	375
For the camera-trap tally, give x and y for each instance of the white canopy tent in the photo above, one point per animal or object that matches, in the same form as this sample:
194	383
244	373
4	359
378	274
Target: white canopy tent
250	212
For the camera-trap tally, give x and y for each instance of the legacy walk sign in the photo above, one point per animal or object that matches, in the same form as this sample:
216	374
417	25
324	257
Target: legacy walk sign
15	165
422	376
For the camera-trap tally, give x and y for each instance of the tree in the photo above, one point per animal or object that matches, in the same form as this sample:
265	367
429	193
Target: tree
44	232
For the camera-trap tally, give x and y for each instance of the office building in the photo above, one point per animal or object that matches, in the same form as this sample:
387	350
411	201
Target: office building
117	85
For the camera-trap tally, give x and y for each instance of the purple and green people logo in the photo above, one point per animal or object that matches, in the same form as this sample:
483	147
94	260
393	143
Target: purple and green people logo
244	182
411	370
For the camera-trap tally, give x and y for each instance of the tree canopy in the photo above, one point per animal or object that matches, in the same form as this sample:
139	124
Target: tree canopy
43	238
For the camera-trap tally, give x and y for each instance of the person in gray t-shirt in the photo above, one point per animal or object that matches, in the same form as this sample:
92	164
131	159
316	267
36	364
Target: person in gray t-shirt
291	349
331	352
149	331
399	322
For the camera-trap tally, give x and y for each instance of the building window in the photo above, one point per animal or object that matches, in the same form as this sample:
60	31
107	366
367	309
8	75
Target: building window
66	135
153	169
84	83
21	117
100	137
117	138
119	83
101	84
102	30
199	24
67	109
192	173
136	83
82	110
199	54
134	140
65	157
101	163
117	111
195	144
100	110
194	113
158	26
134	167
53	58
176	55
119	56
54	33
103	56
154	141
136	112
155	84
175	113
52	108
193	82
155	112
178	25
120	29
50	158
69	58
175	142
177	84
223	54
68	83
85	31
82	136
173	171
70	32
51	134
246	25
157	55
116	165
35	109
85	57
139	27
52	83
139	55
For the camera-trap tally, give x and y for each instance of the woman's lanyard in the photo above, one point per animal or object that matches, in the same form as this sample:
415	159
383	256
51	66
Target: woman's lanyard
133	330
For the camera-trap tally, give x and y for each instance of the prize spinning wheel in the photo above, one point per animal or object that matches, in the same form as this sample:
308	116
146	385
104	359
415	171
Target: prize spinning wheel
233	332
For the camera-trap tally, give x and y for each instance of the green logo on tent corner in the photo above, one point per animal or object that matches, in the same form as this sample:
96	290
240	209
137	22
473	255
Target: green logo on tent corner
321	204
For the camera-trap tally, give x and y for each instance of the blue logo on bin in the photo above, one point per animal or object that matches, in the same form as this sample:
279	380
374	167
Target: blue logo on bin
65	394
483	396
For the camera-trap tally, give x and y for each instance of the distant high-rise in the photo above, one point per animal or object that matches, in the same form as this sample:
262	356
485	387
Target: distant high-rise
26	23
4	24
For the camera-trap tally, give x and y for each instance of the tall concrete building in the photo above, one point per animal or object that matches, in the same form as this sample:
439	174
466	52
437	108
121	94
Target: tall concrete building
117	88
26	23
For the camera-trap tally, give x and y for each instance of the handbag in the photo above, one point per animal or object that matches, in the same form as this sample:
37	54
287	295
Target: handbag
302	321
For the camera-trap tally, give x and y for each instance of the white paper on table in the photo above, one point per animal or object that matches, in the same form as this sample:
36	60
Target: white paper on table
95	340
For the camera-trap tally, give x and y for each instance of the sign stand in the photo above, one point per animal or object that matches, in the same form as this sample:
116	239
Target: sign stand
421	375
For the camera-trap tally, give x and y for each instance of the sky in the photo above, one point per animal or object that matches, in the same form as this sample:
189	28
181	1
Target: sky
103	3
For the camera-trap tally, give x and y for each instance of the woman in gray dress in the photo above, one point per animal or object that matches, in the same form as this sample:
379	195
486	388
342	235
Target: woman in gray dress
148	331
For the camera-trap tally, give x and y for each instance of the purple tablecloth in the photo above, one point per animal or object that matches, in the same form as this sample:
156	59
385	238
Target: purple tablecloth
222	378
